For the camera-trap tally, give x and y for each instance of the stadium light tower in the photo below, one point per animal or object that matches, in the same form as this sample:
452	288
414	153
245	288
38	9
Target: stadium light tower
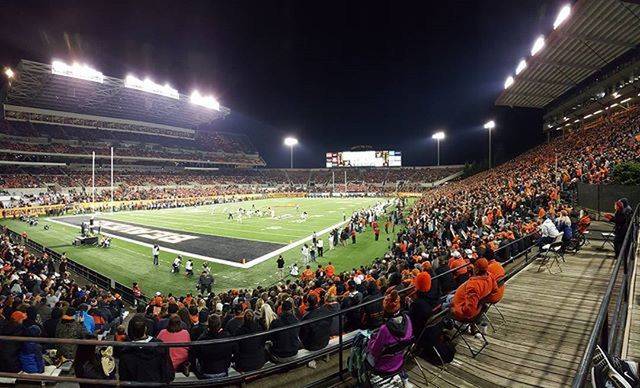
9	73
291	142
489	125
438	136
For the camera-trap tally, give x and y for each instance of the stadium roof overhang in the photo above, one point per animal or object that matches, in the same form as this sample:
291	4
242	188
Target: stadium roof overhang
594	35
36	86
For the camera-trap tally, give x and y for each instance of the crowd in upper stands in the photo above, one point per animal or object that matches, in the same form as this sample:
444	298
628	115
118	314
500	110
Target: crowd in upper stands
55	139
460	231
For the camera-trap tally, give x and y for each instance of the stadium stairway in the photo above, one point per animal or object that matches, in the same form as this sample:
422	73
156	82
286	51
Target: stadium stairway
549	317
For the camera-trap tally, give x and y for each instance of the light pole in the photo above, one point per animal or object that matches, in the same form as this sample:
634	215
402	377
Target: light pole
490	125
291	141
438	136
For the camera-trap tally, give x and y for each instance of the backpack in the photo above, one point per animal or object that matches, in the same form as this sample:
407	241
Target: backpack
442	347
357	360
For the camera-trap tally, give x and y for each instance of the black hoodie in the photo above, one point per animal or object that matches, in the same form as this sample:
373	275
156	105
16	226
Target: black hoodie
286	342
146	364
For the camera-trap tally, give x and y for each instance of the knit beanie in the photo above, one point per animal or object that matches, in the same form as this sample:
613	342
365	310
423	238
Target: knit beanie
423	282
391	302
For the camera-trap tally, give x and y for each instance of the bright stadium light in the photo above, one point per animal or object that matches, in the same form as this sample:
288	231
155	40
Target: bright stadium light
537	45
490	124
149	86
625	100
9	73
508	82
562	16
77	70
521	66
437	137
206	101
291	141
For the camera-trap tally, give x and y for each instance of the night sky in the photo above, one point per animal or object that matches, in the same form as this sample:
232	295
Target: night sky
333	73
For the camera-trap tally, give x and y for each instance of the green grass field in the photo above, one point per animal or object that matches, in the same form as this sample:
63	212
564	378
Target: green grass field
127	262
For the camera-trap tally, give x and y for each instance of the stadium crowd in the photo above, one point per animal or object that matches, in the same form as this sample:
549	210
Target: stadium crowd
461	232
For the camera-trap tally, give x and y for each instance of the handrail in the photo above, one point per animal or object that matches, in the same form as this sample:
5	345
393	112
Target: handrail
243	376
600	326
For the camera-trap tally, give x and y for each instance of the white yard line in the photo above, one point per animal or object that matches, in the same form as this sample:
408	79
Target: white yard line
176	251
250	264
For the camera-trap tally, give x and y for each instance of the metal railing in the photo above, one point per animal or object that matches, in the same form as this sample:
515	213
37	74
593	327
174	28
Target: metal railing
609	327
243	377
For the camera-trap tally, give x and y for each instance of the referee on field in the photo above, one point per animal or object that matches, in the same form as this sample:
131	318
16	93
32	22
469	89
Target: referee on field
156	253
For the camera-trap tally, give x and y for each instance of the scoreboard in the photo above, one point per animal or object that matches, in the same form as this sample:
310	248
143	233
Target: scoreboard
364	159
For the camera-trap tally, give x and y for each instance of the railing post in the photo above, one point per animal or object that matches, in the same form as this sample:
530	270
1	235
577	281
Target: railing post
340	361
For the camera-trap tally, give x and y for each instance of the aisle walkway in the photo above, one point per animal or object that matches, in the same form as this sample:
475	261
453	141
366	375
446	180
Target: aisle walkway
549	320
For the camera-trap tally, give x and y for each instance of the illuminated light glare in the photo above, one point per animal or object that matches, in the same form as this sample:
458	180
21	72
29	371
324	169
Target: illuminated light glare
576	120
149	86
77	70
587	116
438	136
537	45
490	124
562	16
521	66
9	73
612	105
508	82
567	124
626	99
616	95
206	101
290	141
565	118
597	112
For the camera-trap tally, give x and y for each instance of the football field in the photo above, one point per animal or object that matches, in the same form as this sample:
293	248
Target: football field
241	252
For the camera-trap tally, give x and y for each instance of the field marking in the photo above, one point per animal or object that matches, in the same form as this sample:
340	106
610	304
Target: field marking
294	244
170	250
250	264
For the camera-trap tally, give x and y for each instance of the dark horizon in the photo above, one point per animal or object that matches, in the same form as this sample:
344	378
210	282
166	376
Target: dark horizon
334	75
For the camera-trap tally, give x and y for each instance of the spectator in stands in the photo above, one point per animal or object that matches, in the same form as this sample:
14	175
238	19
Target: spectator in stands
332	306
385	353
69	327
548	232
468	298
31	352
144	364
175	333
9	350
51	323
497	272
213	361
621	219
315	336
372	313
86	364
201	327
285	343
251	352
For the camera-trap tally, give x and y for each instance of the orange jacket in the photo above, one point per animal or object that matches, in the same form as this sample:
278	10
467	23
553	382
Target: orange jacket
496	271
457	262
330	270
466	301
308	274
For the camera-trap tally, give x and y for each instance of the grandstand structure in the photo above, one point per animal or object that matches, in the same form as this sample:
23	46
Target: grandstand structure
559	301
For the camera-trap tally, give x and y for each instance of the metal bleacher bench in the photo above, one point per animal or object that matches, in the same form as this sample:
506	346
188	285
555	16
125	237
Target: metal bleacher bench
302	357
49	370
